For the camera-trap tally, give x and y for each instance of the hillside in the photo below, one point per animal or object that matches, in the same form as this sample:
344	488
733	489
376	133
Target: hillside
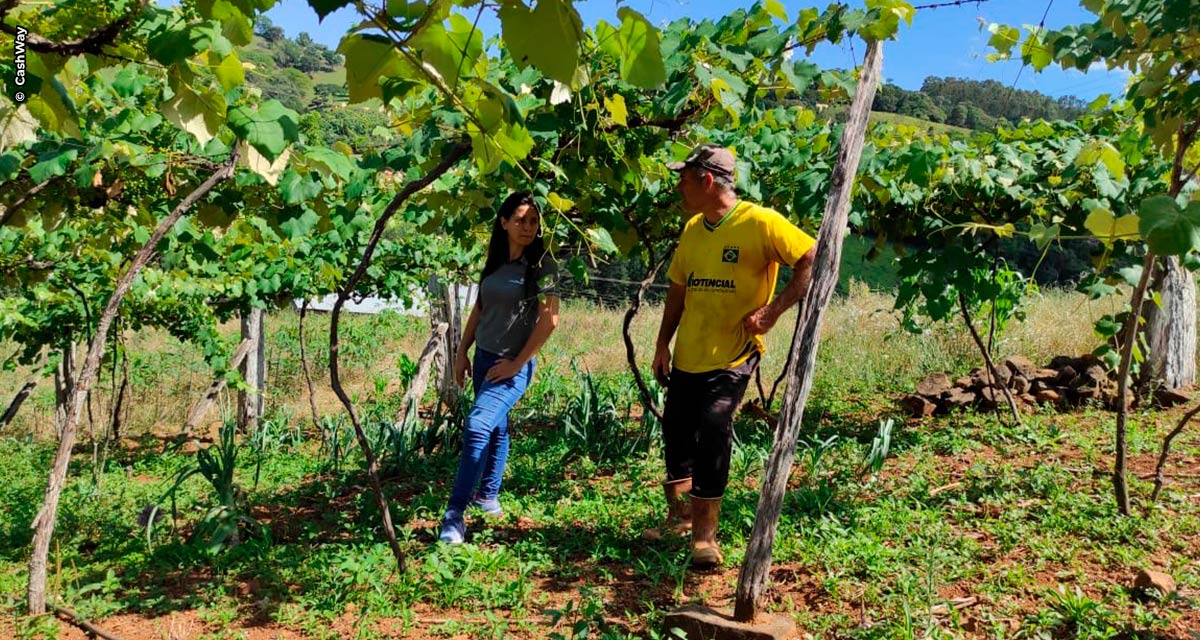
974	104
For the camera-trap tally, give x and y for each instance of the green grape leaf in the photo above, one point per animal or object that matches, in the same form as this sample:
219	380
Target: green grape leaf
452	52
615	104
52	164
509	142
368	60
10	165
1043	235
602	240
1131	274
799	74
1108	228
230	72
775	9
1003	39
578	269
1168	229
330	163
200	114
270	128
547	37
257	162
17	126
640	57
326	7
235	24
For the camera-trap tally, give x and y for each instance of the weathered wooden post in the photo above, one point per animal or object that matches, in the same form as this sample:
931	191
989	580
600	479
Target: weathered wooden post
1171	327
254	372
445	308
746	621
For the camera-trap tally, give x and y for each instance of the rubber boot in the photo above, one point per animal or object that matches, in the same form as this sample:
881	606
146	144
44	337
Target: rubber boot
706	515
679	511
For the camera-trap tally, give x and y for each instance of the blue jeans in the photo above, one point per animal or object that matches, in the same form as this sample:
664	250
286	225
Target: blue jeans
485	435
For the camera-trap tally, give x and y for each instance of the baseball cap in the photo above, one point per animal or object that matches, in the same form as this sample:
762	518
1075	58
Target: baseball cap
712	157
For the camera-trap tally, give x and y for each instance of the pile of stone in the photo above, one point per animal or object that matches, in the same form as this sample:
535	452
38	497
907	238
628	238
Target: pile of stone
1065	382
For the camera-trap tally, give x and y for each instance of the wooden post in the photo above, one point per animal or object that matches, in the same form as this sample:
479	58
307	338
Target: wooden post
752	580
64	382
445	308
254	372
425	364
1171	328
206	401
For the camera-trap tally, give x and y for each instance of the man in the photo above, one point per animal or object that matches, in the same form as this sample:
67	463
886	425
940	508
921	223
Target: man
722	278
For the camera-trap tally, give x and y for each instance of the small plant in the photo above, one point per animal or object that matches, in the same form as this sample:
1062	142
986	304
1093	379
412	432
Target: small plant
273	435
407	369
583	619
220	526
880	445
592	423
1078	614
336	440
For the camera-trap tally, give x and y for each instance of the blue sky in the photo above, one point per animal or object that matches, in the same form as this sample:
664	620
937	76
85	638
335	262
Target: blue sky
950	41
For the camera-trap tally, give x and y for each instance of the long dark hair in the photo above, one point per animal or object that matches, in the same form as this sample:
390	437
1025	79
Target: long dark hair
497	255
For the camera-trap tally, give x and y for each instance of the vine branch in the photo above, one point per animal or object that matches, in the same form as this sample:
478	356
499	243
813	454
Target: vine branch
457	153
91	43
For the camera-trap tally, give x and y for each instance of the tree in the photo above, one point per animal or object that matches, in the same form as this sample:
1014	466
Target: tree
1155	42
268	30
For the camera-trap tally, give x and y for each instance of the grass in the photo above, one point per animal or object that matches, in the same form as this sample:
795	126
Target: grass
337	76
1019	518
925	126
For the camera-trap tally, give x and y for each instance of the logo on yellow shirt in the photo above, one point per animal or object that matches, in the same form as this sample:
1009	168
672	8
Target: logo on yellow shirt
729	254
721	285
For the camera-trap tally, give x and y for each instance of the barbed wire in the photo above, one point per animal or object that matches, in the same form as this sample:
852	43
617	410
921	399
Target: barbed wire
950	3
1040	27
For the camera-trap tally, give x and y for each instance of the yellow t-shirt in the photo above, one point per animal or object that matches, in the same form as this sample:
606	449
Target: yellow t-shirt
729	270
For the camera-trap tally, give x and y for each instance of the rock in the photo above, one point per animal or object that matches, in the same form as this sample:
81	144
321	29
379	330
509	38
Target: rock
1087	361
1167	398
1028	399
703	623
1058	362
982	379
1020	365
918	406
1083	392
991	397
1066	375
1110	397
1096	373
1093	376
1046	375
965	382
934	384
959	398
1148	580
1048	396
1038	386
1019	384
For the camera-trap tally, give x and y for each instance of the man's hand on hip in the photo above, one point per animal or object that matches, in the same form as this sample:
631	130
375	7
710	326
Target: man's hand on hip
760	320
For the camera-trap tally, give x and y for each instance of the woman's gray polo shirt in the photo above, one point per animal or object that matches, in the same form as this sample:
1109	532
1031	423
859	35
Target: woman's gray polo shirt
506	315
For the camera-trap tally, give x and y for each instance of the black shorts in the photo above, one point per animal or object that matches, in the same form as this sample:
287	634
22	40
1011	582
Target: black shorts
698	425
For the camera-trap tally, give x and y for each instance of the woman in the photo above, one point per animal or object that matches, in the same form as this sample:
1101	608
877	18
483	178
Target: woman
516	311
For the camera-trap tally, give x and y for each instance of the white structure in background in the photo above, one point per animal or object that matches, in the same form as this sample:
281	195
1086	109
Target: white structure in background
419	306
